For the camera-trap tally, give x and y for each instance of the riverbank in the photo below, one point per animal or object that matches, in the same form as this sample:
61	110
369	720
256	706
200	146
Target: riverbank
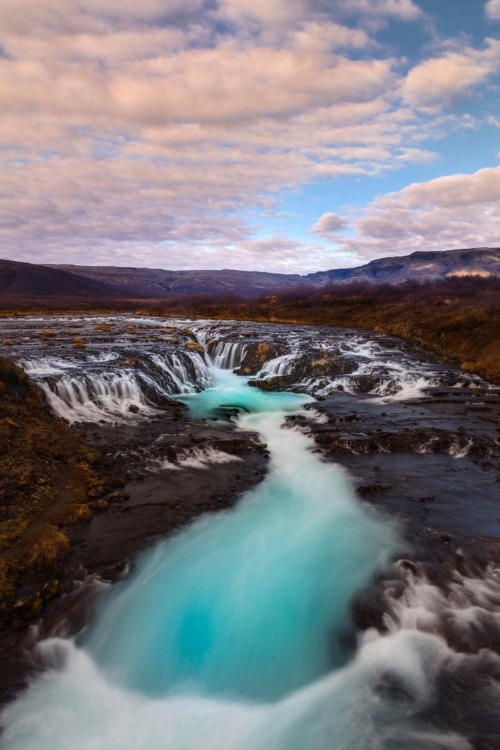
458	319
46	475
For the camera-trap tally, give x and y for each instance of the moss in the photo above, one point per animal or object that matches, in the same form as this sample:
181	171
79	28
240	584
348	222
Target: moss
194	346
46	473
81	513
49	548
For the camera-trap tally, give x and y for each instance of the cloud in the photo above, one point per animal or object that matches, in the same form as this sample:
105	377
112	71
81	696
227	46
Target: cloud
459	210
492	10
402	10
328	224
136	129
440	80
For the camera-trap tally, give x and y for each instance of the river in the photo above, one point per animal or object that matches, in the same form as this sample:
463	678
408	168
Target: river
236	632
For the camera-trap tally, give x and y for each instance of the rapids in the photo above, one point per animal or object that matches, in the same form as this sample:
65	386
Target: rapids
236	633
242	615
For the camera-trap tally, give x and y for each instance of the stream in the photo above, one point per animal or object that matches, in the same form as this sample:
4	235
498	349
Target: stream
236	632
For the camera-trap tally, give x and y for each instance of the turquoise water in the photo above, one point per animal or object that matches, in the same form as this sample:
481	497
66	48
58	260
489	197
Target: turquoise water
231	634
252	602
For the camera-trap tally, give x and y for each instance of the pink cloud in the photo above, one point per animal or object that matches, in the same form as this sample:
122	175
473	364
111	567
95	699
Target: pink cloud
438	81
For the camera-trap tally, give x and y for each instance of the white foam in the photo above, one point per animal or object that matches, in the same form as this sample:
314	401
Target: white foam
199	458
42	366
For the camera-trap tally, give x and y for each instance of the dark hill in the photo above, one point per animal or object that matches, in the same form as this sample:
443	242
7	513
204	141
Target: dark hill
157	282
26	280
419	266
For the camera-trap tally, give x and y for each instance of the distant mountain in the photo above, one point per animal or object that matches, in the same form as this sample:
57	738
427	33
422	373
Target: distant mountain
28	280
419	266
422	266
156	282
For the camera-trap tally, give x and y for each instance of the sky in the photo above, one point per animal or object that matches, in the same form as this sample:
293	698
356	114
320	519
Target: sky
267	135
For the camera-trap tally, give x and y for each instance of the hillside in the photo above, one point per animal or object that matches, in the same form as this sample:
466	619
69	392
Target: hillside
29	280
420	266
28	285
157	282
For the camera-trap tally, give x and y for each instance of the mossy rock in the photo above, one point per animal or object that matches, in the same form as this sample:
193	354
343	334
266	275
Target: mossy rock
194	346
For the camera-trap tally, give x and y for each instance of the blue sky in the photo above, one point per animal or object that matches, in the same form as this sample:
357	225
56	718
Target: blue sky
258	134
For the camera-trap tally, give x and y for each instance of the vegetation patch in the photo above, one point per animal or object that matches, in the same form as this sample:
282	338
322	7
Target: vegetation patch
46	474
458	318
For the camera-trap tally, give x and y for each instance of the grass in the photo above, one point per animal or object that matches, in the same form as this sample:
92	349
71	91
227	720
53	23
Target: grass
46	473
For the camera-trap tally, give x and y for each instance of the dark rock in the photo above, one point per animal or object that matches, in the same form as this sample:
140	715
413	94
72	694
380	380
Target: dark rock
118	496
256	356
28	607
50	589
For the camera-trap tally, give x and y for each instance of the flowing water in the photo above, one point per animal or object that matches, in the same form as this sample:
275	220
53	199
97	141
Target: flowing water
236	633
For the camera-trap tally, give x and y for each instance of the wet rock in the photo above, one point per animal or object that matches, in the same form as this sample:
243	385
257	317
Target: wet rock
50	589
441	536
327	365
374	487
171	454
276	383
256	356
194	346
366	383
28	607
408	565
118	496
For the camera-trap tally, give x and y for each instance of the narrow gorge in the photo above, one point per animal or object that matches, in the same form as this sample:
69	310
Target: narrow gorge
293	545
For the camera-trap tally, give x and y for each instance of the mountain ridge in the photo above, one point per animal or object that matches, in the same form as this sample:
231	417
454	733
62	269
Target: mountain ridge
28	280
390	269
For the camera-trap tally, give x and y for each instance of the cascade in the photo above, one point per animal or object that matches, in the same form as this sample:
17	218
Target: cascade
236	632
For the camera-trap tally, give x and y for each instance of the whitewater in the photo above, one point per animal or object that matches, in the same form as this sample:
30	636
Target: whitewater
236	633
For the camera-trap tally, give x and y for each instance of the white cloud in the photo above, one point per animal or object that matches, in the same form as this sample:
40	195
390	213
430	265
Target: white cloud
440	80
329	224
492	10
459	210
403	10
129	126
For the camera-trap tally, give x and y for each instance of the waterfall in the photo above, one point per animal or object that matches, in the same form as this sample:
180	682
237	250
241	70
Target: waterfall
228	354
97	394
235	634
186	373
283	365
